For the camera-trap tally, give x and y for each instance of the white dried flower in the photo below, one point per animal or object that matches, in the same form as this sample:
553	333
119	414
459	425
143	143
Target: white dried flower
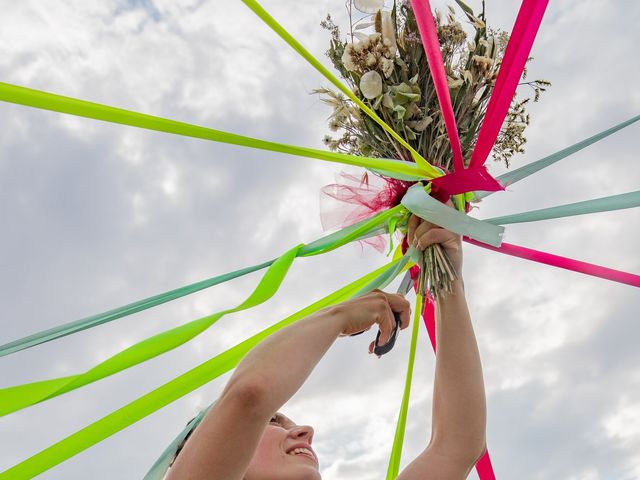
387	67
368	6
374	38
389	32
454	83
371	85
371	60
347	58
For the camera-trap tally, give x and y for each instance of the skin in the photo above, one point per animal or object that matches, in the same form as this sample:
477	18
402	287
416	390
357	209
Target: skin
243	437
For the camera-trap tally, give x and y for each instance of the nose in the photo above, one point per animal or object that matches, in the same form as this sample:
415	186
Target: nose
302	432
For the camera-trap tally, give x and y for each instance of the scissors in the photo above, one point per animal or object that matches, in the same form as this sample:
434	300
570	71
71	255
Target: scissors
403	289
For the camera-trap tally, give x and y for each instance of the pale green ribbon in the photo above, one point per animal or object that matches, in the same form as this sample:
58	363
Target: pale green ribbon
417	201
159	469
358	231
174	389
518	174
605	204
21	396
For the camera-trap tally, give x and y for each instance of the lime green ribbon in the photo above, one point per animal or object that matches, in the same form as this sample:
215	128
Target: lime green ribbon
428	170
361	230
176	388
21	396
398	439
81	108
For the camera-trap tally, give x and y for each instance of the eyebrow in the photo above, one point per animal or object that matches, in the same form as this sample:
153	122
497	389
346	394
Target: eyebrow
283	420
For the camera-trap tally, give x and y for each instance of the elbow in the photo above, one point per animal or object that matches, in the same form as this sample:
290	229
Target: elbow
249	394
466	449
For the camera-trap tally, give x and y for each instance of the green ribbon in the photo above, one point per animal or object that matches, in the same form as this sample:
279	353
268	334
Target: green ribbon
533	167
417	201
605	204
358	231
172	390
427	170
161	465
396	451
21	396
58	103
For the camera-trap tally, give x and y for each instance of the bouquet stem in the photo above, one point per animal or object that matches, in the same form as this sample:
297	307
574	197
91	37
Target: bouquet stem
437	273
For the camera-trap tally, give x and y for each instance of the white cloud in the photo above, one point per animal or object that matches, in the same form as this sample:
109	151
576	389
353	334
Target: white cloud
97	215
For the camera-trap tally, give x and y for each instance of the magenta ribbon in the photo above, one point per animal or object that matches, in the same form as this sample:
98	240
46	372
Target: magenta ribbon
461	181
429	35
515	57
562	262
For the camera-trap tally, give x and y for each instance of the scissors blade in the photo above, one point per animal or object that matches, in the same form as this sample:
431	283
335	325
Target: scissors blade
405	284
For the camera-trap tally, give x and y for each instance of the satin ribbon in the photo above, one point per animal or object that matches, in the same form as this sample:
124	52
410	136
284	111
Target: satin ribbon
427	29
398	439
81	108
463	181
525	171
20	396
563	262
361	230
515	57
605	204
430	171
417	201
172	390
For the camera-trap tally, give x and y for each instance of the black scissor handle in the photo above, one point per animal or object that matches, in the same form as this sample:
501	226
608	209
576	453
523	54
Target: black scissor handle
386	348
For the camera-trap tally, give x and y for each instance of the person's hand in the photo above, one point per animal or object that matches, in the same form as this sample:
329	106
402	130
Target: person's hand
374	308
421	234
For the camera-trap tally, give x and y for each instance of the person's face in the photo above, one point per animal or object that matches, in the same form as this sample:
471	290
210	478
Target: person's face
284	453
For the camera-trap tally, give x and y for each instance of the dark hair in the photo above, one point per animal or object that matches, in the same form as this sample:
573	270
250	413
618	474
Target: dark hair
184	441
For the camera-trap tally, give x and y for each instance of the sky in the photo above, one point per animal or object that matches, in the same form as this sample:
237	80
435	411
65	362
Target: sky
97	215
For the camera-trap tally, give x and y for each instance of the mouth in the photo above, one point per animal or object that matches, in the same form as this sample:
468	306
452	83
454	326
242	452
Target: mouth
303	452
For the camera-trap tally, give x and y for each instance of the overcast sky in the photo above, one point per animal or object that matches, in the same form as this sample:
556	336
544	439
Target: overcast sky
95	215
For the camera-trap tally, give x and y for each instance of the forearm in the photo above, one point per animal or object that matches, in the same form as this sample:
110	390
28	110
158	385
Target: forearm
459	404
279	365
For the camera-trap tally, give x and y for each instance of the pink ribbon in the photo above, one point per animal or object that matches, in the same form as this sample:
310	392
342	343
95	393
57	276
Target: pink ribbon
515	57
429	35
562	262
463	181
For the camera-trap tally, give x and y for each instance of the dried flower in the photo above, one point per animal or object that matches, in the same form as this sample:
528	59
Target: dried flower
389	32
368	6
371	85
347	58
387	65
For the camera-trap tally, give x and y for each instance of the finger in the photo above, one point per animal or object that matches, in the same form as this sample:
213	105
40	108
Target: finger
414	221
372	346
386	326
400	305
423	228
437	235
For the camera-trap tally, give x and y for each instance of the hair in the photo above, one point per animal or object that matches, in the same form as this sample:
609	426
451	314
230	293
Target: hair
184	441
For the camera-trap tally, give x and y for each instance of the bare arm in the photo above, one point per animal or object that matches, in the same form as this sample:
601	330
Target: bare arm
222	446
459	404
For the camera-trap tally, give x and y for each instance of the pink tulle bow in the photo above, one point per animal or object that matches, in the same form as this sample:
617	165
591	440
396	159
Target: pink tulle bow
352	199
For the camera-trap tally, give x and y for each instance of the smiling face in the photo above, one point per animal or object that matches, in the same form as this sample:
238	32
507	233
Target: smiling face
284	453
